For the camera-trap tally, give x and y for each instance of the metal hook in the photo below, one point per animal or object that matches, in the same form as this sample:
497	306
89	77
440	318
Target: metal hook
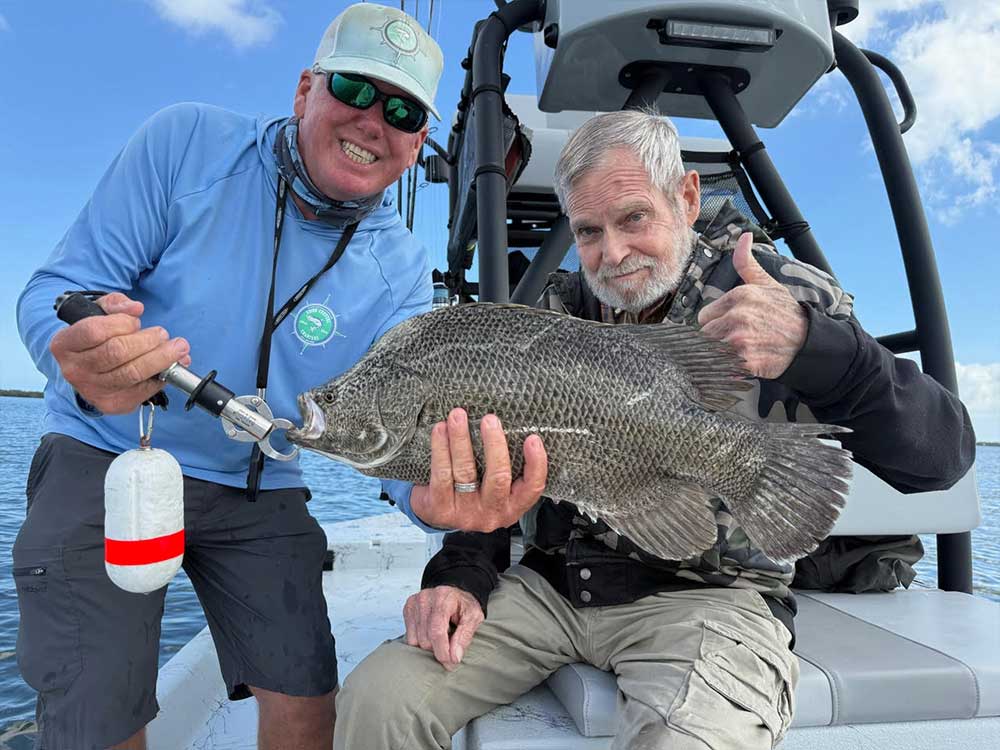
258	404
145	437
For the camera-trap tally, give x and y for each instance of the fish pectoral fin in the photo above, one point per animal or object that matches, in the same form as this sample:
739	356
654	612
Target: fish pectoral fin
717	373
673	520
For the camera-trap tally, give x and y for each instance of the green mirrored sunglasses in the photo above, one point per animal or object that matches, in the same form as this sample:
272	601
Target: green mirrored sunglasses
359	92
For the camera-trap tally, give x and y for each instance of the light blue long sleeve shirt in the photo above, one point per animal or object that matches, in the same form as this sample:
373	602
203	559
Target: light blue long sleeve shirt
183	221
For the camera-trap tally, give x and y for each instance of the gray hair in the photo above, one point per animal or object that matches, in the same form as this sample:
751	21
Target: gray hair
652	138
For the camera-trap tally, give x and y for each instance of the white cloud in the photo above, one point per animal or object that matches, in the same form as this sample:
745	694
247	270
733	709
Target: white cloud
828	94
949	63
832	98
876	15
979	386
948	51
245	22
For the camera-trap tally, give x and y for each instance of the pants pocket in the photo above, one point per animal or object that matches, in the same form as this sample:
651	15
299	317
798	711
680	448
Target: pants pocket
48	636
748	674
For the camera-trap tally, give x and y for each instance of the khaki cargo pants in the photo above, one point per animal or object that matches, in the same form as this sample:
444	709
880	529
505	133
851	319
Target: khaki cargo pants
697	669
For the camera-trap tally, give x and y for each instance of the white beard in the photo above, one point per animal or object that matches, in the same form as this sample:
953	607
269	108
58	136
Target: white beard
633	296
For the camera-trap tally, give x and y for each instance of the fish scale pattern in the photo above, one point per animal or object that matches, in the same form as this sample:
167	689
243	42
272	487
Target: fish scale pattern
568	383
622	416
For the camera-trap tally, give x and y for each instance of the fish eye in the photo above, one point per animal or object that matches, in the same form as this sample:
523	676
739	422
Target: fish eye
328	397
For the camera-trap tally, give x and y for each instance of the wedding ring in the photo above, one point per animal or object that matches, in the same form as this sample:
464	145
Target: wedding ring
466	487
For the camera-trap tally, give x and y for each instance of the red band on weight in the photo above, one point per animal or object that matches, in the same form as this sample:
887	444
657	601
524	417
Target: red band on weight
144	551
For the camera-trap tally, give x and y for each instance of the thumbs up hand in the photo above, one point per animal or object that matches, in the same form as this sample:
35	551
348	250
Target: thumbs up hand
760	320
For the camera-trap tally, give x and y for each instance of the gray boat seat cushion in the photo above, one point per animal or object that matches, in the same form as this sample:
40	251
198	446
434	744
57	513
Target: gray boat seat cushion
881	657
589	696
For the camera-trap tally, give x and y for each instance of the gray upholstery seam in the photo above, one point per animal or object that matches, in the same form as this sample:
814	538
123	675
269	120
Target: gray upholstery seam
589	641
586	698
834	695
836	688
970	670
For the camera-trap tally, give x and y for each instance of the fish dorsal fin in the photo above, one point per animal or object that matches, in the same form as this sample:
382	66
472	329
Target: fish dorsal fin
717	373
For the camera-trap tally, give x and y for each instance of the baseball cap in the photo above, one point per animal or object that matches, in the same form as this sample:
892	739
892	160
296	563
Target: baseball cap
384	43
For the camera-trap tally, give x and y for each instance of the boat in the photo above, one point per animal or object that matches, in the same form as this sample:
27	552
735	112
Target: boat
915	668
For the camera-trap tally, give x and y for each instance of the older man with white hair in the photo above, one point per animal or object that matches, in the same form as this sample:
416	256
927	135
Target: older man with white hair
702	648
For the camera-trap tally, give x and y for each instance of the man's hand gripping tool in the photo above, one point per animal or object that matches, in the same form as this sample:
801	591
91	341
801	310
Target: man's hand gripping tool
246	419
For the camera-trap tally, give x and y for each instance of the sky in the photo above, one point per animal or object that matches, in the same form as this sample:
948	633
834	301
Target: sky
77	79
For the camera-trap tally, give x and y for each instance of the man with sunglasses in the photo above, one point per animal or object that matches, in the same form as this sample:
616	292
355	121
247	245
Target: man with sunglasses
205	223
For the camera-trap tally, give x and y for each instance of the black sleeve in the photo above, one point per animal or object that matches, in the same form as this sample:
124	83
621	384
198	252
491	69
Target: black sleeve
471	562
907	428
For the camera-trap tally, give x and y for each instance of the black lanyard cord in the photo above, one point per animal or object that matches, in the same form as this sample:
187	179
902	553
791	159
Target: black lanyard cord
272	320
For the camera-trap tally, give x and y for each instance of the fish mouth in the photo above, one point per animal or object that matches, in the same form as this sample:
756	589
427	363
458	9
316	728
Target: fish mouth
313	421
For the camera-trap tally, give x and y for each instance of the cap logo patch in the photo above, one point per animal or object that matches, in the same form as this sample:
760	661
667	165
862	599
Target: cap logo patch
400	37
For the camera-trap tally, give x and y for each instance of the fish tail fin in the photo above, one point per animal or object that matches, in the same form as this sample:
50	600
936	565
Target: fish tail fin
799	492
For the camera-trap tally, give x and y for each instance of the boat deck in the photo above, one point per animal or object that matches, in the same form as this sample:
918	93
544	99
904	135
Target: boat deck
377	565
911	669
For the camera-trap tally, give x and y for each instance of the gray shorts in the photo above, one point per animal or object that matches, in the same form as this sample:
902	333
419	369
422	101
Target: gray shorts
90	649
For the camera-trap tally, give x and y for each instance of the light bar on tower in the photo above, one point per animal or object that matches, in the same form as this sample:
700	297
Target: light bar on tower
720	35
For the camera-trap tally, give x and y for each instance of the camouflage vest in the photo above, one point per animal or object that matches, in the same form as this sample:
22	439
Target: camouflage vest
733	561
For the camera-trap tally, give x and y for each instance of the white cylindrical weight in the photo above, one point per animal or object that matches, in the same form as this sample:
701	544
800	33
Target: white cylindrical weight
143	519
